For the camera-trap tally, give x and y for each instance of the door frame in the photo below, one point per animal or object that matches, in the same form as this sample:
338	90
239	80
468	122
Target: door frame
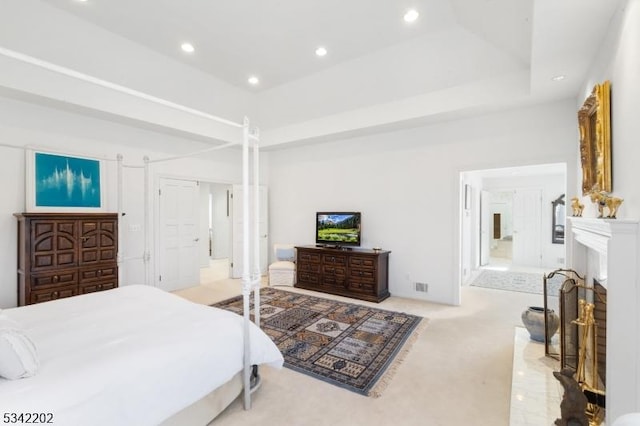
468	175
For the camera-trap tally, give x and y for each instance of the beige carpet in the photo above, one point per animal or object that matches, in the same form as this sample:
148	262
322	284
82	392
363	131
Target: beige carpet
457	373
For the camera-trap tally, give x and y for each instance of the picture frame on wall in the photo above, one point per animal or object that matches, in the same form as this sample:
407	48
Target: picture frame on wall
64	183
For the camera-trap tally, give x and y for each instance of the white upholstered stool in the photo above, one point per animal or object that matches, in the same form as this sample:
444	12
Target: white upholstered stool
283	270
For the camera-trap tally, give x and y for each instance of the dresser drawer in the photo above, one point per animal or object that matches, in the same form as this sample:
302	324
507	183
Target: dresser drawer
94	286
108	272
361	285
332	259
333	280
45	295
308	278
362	274
308	267
334	270
54	279
362	262
308	257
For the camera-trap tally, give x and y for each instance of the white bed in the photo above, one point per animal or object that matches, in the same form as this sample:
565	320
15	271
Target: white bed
135	355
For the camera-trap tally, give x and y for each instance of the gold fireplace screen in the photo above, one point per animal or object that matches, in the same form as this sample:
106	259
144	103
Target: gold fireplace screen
581	345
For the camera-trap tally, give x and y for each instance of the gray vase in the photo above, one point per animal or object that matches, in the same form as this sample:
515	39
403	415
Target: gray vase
533	320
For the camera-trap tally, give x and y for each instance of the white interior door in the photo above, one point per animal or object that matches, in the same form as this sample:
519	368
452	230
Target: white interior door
527	204
178	236
485	227
237	229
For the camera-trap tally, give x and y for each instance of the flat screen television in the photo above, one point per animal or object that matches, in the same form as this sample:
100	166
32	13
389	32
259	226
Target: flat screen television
338	228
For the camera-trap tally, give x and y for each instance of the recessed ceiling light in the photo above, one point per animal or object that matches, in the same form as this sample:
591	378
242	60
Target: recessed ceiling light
411	15
188	47
82	1
321	51
253	80
558	77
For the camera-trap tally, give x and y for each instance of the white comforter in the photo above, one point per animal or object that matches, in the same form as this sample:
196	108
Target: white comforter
130	356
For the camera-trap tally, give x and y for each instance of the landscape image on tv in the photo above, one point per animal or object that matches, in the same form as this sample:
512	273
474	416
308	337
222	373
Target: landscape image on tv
339	228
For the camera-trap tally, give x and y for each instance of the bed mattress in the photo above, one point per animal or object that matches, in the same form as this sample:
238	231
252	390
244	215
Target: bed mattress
134	355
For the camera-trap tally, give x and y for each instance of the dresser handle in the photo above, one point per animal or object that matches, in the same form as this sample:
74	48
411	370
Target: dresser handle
54	295
99	286
55	279
99	272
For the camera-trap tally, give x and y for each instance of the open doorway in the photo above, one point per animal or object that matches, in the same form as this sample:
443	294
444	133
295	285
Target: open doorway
506	223
215	231
501	241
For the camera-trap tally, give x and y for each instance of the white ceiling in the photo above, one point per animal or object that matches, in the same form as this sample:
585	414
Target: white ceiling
275	40
459	56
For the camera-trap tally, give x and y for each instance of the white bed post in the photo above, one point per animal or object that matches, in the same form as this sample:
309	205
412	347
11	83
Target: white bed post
119	219
246	279
146	256
256	227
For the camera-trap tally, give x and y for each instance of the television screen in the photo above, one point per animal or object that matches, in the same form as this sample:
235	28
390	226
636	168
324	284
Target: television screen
338	228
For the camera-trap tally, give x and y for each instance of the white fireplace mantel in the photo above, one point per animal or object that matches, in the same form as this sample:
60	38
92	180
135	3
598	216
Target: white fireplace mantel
608	248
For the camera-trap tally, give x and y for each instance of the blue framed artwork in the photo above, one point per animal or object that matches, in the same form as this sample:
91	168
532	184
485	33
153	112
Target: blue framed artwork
58	182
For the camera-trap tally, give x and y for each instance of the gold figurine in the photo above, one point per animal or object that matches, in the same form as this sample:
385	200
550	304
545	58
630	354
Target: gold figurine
577	207
602	200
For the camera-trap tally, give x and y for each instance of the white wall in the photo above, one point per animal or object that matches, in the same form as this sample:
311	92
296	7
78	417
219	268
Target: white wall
619	62
23	124
406	184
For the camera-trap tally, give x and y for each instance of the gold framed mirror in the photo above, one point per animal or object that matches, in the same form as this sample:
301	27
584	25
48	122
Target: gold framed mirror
594	120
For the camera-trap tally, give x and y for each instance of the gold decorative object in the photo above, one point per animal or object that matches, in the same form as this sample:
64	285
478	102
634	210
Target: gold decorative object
587	375
570	279
594	119
582	374
577	207
602	199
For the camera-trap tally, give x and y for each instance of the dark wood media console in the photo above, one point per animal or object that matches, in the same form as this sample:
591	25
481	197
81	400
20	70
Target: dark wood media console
354	272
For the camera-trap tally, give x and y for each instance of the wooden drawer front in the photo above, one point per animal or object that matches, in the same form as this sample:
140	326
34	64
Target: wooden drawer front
361	285
330	259
334	280
308	257
308	267
94	286
334	270
54	279
97	255
362	262
308	278
109	272
38	296
362	274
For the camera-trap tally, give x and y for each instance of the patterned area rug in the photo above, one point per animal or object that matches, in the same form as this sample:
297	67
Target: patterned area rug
351	346
517	281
